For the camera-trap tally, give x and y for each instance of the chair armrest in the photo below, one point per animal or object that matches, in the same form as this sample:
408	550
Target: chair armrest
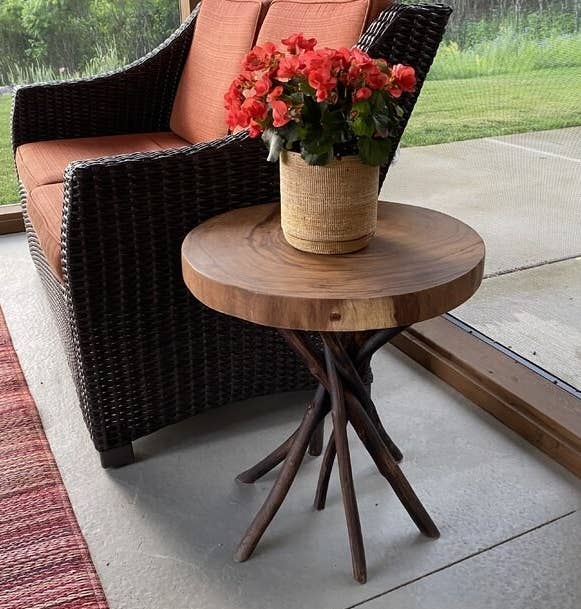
408	34
124	221
135	99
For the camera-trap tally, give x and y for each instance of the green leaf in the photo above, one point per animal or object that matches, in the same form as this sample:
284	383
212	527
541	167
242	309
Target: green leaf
317	152
297	98
374	151
290	133
377	102
361	107
382	122
363	126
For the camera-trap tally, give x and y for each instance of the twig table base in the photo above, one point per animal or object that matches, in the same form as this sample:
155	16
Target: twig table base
342	392
328	308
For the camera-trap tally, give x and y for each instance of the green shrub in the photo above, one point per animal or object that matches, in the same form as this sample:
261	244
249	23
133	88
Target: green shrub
506	54
76	36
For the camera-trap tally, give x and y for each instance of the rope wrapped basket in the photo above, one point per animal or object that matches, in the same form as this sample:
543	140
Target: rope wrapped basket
330	209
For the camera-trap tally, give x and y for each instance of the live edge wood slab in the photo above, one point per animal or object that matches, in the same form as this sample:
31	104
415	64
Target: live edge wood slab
420	264
335	312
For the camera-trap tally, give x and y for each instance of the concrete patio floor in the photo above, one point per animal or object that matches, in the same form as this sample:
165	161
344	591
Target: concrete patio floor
523	194
162	531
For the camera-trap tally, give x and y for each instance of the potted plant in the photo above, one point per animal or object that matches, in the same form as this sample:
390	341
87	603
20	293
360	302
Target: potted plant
327	115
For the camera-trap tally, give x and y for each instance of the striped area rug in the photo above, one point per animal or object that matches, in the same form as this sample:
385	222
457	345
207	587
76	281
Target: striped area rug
44	560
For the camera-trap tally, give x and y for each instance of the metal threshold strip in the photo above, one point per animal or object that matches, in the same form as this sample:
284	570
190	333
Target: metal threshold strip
515	356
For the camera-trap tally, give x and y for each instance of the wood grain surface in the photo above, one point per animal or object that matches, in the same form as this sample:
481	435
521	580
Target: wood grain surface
421	263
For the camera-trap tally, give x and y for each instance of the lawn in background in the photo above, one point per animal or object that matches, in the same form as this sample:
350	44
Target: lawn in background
8	185
462	109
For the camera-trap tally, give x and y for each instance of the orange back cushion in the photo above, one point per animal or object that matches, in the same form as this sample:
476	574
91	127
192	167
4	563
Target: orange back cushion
225	32
227	29
334	23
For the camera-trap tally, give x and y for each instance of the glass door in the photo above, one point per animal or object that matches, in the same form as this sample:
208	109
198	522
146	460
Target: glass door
496	141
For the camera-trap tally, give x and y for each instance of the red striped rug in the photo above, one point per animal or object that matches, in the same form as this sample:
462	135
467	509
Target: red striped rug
44	560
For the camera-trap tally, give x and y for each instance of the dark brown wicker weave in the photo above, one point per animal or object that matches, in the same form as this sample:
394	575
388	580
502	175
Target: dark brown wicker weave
143	352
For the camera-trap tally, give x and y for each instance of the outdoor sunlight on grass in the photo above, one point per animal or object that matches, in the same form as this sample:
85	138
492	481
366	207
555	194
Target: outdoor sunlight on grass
8	185
454	110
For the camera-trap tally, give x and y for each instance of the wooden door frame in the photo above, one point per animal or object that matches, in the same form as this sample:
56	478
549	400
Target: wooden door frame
11	220
186	7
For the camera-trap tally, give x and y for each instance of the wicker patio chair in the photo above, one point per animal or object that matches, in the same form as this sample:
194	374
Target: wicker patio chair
143	353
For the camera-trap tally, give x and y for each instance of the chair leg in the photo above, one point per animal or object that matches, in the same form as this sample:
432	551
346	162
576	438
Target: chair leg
117	457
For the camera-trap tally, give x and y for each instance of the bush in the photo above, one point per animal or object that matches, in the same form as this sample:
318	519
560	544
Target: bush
44	36
507	54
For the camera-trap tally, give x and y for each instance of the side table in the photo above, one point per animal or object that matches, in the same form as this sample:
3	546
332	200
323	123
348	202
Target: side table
335	312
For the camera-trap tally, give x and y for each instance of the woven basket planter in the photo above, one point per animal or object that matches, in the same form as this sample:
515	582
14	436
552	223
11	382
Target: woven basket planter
330	209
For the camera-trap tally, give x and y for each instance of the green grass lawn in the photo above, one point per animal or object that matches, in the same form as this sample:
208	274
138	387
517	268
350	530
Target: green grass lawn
447	111
453	110
8	186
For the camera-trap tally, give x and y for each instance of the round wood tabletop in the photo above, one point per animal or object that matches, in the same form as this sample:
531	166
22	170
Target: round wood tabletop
420	264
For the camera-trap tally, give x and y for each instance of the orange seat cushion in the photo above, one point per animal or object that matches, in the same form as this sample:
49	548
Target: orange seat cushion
225	32
41	163
334	23
45	210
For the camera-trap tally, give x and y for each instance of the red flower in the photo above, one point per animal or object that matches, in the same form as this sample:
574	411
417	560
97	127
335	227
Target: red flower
263	85
362	94
275	93
298	41
288	67
256	59
323	82
374	78
404	79
260	58
316	60
280	113
277	87
237	118
359	58
254	129
255	108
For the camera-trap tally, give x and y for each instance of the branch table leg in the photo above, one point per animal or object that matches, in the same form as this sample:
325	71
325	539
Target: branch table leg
279	454
390	469
363	358
313	415
339	373
325	473
339	417
317	441
352	376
